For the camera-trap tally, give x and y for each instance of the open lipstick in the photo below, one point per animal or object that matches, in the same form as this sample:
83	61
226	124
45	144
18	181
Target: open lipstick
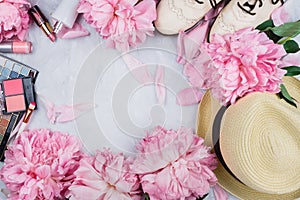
42	22
16	47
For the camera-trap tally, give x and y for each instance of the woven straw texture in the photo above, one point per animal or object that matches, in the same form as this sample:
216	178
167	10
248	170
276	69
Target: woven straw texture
260	138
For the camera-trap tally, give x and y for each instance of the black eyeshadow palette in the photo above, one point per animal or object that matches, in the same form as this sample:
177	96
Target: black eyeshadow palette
11	69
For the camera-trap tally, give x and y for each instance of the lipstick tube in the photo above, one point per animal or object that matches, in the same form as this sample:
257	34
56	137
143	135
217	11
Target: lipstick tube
16	47
42	22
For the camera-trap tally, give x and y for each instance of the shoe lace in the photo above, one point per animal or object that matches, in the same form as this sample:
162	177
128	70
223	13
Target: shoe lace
200	2
274	2
213	3
248	8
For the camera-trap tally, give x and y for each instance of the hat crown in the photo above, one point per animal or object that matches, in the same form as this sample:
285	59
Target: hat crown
260	143
272	140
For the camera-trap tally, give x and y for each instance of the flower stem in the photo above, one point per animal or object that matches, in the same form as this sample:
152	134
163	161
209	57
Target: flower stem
284	41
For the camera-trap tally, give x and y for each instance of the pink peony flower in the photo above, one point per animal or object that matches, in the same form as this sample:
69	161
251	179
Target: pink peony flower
105	176
122	22
40	164
174	165
14	20
283	14
286	13
242	62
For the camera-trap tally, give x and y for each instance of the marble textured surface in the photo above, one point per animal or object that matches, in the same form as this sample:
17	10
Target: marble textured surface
60	63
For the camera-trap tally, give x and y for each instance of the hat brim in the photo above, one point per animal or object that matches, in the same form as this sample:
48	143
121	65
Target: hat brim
207	111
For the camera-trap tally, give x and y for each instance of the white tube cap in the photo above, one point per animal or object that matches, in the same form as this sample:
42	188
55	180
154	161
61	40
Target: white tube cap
66	12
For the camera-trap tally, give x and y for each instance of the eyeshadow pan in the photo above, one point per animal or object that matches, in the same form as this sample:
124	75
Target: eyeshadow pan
17	68
12	87
29	89
4	122
24	71
15	103
7	117
9	64
5	72
13	74
2	129
2	78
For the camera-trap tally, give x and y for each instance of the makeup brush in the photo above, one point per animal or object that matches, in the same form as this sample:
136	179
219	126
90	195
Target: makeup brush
27	116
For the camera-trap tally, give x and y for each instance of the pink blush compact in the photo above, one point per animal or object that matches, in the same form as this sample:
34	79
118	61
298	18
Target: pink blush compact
14	96
13	86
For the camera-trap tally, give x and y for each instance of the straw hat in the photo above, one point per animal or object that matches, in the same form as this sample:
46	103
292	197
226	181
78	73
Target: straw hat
259	138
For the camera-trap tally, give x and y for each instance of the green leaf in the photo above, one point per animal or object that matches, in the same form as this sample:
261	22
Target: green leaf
266	25
292	70
291	46
290	29
272	36
286	96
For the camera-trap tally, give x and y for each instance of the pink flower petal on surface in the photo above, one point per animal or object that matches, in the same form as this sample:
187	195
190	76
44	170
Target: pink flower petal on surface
220	193
76	31
291	59
160	89
188	43
65	113
68	113
189	96
138	70
286	13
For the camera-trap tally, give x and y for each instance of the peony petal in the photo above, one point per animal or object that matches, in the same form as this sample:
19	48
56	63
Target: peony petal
139	71
189	96
70	112
100	176
164	147
65	113
220	193
81	192
188	44
43	171
14	19
76	31
159	84
286	13
32	166
292	59
124	23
